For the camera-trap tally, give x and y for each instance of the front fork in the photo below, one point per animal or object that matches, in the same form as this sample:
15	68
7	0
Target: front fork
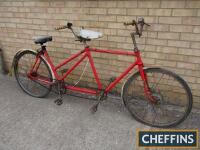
147	90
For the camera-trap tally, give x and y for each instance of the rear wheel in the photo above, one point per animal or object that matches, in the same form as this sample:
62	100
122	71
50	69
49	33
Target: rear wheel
173	96
31	80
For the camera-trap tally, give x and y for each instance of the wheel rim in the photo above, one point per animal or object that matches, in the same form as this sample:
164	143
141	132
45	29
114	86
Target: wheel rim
171	95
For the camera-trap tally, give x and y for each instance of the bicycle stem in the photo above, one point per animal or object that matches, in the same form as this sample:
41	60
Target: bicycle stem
73	32
134	41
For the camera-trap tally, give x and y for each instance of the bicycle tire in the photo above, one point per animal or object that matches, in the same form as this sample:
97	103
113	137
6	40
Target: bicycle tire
45	88
137	116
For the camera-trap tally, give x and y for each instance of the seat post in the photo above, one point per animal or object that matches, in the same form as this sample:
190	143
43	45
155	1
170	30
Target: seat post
43	47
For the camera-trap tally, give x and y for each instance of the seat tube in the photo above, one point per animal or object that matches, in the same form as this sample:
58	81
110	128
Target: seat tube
48	59
87	50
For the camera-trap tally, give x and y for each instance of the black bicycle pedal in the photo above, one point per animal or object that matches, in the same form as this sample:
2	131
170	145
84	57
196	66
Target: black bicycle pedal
94	108
58	102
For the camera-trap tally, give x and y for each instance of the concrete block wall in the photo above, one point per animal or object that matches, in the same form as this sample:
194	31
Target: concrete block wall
172	41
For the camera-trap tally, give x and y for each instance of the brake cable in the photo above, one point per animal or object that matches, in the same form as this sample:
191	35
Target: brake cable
82	73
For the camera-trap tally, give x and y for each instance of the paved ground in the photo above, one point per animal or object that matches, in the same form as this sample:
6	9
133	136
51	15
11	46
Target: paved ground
27	123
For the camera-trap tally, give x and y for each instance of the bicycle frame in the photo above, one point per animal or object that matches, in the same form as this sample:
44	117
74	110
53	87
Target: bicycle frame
87	53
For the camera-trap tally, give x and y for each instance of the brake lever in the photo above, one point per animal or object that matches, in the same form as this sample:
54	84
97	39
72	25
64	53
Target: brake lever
147	24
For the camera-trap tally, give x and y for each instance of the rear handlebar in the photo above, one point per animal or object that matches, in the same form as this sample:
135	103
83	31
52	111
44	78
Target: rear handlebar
61	27
68	26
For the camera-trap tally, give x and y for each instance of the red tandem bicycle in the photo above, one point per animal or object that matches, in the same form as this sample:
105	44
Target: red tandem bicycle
154	96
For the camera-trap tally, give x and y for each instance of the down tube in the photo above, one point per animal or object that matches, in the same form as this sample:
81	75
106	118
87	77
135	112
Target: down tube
120	77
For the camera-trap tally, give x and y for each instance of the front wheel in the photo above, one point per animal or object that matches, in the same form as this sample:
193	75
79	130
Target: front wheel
172	94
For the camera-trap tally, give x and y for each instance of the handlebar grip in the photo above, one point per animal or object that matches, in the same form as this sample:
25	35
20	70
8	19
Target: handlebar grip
62	27
130	23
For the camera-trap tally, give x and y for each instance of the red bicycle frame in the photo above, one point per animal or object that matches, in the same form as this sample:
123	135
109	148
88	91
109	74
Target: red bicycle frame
87	53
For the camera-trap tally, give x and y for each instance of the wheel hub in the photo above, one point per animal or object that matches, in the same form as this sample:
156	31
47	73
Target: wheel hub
157	96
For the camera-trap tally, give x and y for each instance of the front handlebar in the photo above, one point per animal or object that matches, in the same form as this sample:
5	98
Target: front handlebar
130	23
141	24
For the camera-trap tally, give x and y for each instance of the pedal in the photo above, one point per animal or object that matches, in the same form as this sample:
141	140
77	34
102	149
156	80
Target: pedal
94	108
101	97
58	101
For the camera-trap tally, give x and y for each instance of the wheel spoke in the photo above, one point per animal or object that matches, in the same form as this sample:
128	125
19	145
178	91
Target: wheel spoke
154	86
154	118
